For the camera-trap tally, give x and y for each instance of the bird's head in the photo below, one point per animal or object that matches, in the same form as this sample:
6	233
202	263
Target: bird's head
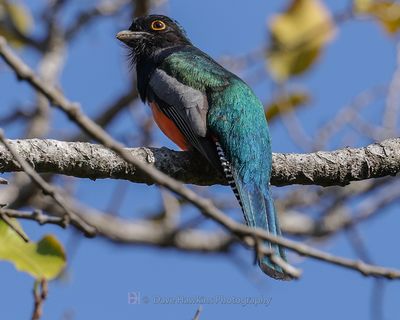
148	35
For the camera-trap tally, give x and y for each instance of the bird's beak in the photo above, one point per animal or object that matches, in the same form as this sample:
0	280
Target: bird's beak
128	36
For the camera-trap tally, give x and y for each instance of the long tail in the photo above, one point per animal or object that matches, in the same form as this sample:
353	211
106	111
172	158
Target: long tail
259	212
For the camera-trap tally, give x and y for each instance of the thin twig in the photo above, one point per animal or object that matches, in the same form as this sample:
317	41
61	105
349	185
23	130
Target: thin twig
347	114
391	112
36	215
40	292
8	221
197	314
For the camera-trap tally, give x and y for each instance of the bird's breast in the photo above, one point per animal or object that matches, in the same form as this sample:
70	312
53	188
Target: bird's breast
168	127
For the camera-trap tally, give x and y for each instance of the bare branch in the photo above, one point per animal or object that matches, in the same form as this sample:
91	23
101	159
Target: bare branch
153	233
197	314
94	161
391	111
40	292
121	230
36	215
7	220
134	231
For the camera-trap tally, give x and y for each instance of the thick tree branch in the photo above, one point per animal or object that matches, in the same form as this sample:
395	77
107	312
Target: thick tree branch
94	161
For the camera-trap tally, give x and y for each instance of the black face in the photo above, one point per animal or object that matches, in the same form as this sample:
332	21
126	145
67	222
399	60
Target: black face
148	34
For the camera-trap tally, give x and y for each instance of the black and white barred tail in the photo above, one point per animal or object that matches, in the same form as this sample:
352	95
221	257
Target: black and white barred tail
226	167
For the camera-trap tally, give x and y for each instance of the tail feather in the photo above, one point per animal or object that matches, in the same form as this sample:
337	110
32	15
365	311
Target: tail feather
259	211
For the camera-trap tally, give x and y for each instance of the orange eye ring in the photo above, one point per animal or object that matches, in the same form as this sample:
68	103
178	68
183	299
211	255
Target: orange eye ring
158	25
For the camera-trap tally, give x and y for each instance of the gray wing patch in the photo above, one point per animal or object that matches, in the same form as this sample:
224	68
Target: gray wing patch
192	102
187	108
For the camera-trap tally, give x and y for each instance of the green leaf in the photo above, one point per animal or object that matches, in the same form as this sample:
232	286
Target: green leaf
44	259
297	38
286	103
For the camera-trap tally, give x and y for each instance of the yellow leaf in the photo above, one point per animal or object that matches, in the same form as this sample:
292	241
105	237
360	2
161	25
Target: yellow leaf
386	12
362	5
44	259
297	37
14	16
285	104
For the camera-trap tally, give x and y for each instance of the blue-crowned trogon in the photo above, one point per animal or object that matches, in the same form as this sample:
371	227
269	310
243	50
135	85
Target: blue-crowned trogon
200	105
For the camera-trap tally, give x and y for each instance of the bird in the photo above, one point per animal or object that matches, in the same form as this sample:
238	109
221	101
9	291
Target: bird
203	107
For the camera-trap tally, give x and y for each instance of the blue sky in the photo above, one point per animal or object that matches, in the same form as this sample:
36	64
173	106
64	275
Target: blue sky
101	276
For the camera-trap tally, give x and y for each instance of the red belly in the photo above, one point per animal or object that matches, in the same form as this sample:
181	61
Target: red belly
168	127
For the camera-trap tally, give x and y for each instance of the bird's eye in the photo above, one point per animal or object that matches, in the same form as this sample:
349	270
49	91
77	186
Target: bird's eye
158	25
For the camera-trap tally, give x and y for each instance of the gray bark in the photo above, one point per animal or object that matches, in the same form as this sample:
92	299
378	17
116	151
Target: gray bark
94	161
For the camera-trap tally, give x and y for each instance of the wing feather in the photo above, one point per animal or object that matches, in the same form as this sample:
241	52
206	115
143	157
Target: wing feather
187	108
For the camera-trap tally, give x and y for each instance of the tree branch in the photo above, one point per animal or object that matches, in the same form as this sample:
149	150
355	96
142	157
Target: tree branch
149	233
94	161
